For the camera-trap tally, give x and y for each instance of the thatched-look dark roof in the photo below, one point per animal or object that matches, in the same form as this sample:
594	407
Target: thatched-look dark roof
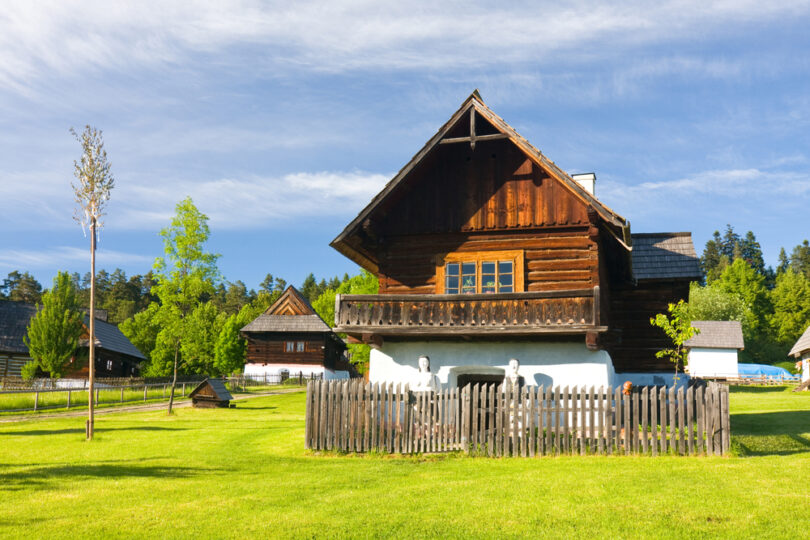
109	337
665	256
14	317
717	335
802	345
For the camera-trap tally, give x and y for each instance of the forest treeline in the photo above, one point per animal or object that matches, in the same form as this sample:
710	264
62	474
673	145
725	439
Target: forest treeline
773	305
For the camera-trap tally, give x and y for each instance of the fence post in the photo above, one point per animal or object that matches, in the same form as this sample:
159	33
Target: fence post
36	400
122	394
68	400
144	391
183	392
164	390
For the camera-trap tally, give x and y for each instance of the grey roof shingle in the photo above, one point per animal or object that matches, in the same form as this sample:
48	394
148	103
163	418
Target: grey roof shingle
803	344
287	323
14	317
717	335
665	256
109	337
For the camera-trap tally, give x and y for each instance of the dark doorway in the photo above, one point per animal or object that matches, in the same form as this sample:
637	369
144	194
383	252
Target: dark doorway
474	378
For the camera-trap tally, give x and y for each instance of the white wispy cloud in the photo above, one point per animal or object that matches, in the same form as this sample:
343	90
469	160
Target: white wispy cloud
64	256
249	203
46	38
749	188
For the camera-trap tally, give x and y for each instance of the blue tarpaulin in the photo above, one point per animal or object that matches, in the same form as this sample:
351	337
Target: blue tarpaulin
758	370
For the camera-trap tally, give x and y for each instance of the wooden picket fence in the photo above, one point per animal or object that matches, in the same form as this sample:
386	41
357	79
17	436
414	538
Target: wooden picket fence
490	420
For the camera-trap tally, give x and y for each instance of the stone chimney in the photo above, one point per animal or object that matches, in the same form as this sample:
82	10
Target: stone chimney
587	181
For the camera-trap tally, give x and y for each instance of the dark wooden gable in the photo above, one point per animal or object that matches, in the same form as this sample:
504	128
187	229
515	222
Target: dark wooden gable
476	174
291	302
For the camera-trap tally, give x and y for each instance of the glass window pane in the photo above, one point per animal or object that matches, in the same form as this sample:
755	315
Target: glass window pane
504	267
487	288
451	285
505	289
451	269
468	268
300	347
488	267
504	280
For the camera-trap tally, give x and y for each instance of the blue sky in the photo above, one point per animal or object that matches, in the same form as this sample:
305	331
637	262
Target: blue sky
282	120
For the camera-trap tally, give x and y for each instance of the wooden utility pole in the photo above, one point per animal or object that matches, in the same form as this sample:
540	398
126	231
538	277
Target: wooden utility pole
92	341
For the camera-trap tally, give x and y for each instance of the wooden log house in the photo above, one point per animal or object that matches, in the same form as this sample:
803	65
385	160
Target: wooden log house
290	338
486	250
115	355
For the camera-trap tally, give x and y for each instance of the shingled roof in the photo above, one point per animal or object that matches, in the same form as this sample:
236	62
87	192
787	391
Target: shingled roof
717	335
802	345
290	313
14	317
109	337
665	256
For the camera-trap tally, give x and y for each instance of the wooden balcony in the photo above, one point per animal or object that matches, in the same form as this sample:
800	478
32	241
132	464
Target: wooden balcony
552	312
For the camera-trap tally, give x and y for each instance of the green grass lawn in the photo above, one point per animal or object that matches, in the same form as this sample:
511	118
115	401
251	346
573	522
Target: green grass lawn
243	472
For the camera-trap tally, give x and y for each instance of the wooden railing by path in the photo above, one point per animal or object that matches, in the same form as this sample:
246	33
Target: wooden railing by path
352	416
529	312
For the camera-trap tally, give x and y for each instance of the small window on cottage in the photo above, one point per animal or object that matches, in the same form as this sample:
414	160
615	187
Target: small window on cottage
299	347
451	278
289	346
109	365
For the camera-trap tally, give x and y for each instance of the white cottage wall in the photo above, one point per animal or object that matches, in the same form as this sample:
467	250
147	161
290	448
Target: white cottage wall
806	366
704	362
259	370
540	363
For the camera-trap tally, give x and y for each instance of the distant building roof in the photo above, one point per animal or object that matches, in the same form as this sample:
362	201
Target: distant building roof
290	313
665	256
287	323
109	337
14	317
802	345
717	335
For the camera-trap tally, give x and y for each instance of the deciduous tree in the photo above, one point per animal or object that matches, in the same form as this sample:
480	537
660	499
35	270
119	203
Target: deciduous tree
53	333
186	275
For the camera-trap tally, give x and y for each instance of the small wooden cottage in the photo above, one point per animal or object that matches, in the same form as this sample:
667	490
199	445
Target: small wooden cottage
210	393
115	355
801	352
486	250
713	351
289	339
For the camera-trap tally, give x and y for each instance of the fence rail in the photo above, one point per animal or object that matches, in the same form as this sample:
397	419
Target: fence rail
352	416
109	391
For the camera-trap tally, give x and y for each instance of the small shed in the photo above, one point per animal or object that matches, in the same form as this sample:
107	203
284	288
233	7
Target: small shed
801	351
211	393
713	352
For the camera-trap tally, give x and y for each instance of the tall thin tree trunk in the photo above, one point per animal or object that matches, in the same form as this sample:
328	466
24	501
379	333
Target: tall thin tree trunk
174	380
92	341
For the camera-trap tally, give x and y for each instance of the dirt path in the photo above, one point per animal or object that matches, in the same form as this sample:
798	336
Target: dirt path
183	402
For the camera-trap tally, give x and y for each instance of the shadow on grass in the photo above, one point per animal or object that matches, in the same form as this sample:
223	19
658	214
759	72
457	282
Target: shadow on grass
759	389
81	430
42	477
773	433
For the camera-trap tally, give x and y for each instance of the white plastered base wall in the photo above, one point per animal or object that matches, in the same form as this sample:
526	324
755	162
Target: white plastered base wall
806	366
705	362
541	363
259	370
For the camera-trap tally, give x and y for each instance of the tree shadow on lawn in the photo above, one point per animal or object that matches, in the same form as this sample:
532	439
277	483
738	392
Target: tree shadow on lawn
771	434
780	389
81	430
59	474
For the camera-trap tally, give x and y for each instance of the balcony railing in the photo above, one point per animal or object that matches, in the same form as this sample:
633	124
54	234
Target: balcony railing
572	311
